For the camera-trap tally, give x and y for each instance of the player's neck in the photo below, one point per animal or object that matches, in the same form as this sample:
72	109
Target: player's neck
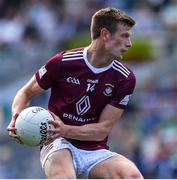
97	56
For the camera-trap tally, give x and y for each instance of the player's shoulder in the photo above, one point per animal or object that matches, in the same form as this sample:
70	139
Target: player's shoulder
75	50
72	54
122	70
67	55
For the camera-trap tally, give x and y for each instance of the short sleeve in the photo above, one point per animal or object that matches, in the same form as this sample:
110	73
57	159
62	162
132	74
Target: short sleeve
123	92
48	74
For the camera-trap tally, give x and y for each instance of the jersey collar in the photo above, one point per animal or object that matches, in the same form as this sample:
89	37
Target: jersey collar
92	68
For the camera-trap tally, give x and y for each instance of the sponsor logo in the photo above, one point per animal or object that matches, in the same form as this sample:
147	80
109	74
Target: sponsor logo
108	90
73	80
83	105
77	118
42	71
125	100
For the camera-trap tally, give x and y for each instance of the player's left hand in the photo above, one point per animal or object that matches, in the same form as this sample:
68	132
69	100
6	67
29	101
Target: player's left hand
12	130
57	131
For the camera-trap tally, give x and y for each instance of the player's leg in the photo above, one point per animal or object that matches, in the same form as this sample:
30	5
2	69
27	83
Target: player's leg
59	165
116	167
57	161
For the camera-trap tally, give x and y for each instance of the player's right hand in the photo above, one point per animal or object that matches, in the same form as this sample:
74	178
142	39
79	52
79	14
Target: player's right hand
12	130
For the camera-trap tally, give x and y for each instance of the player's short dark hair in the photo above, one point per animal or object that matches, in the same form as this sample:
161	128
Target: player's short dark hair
109	18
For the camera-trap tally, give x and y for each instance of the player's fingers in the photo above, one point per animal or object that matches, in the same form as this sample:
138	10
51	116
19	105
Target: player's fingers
55	123
53	131
11	128
55	117
13	135
18	141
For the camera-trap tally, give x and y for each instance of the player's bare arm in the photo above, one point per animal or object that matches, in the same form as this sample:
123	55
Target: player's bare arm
89	132
24	95
22	100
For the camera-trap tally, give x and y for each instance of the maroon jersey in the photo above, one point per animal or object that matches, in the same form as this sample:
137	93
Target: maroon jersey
79	91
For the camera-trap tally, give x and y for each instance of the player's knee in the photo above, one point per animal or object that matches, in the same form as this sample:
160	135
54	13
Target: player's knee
127	171
135	174
60	175
131	173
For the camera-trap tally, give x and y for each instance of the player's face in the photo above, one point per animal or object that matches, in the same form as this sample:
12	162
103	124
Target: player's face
119	43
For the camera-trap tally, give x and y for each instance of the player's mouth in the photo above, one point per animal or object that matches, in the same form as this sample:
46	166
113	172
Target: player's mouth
124	51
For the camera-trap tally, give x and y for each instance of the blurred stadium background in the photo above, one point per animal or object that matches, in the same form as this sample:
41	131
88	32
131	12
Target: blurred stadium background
34	30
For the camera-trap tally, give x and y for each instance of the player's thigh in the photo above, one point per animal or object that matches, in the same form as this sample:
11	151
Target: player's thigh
59	165
116	167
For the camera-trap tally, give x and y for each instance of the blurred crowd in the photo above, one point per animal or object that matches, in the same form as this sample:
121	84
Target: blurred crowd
34	30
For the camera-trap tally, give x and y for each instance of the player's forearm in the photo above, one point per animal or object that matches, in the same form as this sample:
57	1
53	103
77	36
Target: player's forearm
21	101
88	132
25	94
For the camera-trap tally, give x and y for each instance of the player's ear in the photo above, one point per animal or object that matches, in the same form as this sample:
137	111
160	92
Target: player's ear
105	34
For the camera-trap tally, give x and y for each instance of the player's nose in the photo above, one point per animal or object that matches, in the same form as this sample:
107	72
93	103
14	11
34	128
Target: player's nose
128	43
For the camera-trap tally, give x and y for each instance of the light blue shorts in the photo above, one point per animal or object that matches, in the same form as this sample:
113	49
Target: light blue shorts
83	160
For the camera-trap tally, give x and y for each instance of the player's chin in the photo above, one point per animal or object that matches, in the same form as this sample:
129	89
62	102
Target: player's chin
117	56
120	57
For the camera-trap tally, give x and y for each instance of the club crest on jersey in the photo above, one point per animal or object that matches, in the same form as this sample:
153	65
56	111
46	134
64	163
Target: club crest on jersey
108	90
42	71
